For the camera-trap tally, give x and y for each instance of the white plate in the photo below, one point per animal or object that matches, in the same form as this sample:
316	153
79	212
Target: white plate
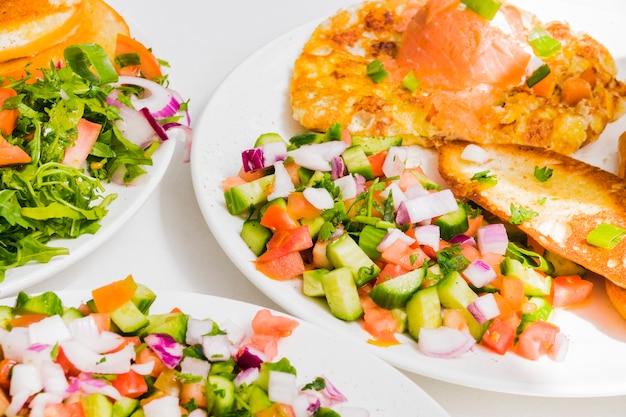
364	379
254	99
129	200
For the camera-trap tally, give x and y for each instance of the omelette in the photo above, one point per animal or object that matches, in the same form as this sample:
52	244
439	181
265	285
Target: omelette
432	70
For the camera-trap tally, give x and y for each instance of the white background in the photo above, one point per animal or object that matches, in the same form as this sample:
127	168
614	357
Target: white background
167	244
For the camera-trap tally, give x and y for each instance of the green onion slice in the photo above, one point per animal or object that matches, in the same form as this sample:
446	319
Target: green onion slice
376	71
484	8
606	236
91	62
543	43
410	82
538	75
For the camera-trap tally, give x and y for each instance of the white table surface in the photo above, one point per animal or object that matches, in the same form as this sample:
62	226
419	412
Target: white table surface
167	244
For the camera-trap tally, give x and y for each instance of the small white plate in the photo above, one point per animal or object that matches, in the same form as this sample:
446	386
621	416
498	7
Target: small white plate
129	200
364	379
254	99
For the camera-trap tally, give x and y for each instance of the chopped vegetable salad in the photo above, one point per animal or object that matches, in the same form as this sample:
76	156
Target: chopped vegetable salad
389	247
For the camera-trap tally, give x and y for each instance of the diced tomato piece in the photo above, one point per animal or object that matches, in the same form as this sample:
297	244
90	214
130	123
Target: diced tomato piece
74	409
264	322
537	339
400	253
112	296
454	319
292	169
27	319
376	162
568	290
512	290
277	410
87	135
474	224
147	355
389	271
284	268
285	242
131	384
8	117
5	372
12	154
103	321
149	66
276	217
231	182
66	364
298	207
194	392
498	337
379	322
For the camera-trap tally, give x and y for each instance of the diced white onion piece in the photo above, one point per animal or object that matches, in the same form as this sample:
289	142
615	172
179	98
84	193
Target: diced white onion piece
484	308
479	273
25	378
87	361
236	334
83	326
274	152
492	238
430	205
320	198
102	343
396	193
347	185
282	387
135	127
428	235
415	190
195	366
15	343
197	328
282	182
392	235
18	400
49	331
198	412
475	153
40	401
156	98
53	378
247	376
143	368
90	385
560	347
395	161
444	342
317	156
166	405
36	354
216	347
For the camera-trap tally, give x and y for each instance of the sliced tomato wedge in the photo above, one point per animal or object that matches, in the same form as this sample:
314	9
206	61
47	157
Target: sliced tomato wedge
569	290
537	339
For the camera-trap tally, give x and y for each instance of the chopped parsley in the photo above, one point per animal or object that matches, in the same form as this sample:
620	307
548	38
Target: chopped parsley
543	174
520	214
485	177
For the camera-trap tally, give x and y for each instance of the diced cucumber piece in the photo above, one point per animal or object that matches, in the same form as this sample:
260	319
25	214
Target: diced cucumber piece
128	318
317	176
306	138
96	405
345	252
174	324
563	266
143	298
124	407
541	312
452	224
258	399
268	138
455	292
423	310
373	144
400	315
305	175
224	391
255	235
369	238
475	328
326	412
71	314
6	315
357	163
342	295
46	303
426	182
241	197
312	282
315	225
397	291
535	282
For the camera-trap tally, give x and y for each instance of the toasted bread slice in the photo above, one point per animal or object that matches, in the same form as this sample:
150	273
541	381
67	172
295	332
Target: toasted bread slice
617	296
28	27
99	23
575	200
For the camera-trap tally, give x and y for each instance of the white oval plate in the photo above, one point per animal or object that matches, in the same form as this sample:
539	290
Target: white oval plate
364	379
253	99
129	200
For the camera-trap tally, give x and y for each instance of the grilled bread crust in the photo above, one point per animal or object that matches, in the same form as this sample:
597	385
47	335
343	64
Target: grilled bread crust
98	23
330	84
575	200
